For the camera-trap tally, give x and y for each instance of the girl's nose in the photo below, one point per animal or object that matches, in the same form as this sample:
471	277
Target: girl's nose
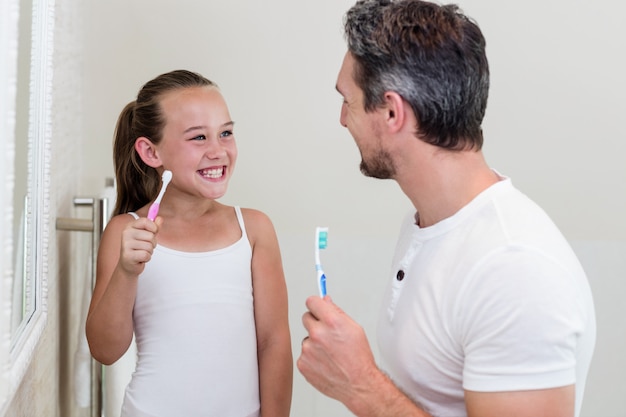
214	149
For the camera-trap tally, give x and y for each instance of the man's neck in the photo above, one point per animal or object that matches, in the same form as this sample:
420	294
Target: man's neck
446	181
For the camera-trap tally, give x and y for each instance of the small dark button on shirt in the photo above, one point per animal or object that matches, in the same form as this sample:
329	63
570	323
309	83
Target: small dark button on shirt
400	275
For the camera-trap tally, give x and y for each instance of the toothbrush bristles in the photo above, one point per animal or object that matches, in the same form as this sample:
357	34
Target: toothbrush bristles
323	242
322	237
166	178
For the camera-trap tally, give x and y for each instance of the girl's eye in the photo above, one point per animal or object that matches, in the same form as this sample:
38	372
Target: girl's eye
199	137
226	134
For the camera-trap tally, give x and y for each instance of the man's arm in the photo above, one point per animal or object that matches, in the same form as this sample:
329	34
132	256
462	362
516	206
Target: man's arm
554	402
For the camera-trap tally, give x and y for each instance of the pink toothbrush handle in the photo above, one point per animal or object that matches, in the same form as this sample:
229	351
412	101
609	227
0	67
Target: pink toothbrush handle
154	210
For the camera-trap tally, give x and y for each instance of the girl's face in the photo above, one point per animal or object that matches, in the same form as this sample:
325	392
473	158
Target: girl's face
198	143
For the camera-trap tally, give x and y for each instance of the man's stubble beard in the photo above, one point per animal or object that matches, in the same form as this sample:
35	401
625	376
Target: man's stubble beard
379	166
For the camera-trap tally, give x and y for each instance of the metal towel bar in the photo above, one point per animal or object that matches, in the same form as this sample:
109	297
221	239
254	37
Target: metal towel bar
95	225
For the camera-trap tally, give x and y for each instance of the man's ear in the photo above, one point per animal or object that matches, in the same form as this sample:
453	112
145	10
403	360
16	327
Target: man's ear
147	152
395	111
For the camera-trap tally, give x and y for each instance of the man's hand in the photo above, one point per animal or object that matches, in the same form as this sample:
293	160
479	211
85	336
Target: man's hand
336	357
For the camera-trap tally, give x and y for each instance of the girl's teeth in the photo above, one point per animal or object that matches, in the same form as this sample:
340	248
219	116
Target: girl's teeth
212	173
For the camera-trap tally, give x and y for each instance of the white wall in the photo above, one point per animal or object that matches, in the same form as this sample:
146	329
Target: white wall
553	124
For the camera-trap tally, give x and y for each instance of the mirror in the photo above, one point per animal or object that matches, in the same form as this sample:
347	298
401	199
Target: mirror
22	305
25	134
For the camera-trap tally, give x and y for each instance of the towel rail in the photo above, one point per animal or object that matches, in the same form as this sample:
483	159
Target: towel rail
95	225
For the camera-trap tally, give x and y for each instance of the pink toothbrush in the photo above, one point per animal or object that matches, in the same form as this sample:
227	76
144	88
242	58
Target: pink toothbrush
154	208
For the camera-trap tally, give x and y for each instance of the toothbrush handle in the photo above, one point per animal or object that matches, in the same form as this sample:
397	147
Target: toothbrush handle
153	211
321	282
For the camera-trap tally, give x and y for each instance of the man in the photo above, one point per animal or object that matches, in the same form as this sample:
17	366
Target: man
488	312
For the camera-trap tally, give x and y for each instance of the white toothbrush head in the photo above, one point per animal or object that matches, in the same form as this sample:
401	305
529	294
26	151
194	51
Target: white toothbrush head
166	177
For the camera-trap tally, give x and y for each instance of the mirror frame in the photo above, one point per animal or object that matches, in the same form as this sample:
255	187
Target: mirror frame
16	353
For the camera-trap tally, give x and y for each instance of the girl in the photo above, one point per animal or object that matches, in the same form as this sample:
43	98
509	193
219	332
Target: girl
202	286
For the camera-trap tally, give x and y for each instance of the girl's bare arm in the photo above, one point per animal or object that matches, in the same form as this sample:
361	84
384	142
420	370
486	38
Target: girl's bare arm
271	315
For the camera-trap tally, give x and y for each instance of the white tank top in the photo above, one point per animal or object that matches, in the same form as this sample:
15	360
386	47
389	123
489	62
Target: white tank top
196	335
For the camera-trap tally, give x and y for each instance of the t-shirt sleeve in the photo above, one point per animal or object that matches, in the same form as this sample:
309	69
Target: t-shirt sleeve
519	321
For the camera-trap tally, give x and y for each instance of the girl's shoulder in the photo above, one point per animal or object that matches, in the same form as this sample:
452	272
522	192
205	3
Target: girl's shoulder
114	228
255	217
119	221
258	224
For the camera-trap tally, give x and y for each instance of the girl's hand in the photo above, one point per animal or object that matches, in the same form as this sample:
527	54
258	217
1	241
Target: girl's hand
138	243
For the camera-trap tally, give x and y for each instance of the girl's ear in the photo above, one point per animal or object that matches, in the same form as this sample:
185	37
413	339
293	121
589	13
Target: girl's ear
147	152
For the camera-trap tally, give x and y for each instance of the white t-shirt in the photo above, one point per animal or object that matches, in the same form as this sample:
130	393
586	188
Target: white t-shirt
491	299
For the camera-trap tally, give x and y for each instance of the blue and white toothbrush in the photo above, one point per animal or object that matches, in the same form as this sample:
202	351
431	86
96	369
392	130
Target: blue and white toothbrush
321	241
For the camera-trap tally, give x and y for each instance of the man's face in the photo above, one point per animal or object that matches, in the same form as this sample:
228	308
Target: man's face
363	126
